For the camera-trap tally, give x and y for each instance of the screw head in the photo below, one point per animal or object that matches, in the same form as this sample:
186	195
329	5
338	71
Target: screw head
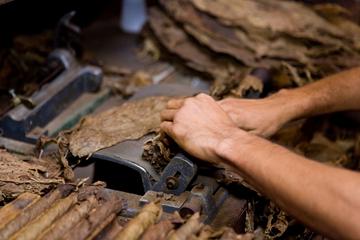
172	183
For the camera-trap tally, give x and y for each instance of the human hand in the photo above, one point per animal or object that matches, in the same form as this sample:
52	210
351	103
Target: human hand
198	125
262	117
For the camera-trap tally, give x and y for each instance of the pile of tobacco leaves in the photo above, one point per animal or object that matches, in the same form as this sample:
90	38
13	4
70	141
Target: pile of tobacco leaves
19	174
226	40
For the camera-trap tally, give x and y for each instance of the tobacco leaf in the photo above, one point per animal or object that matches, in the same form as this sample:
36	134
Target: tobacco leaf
248	83
29	174
210	34
277	222
268	16
127	85
131	120
209	31
159	150
323	150
250	49
175	40
62	141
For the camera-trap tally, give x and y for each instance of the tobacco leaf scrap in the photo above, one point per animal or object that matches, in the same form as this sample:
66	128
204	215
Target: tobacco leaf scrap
131	120
19	174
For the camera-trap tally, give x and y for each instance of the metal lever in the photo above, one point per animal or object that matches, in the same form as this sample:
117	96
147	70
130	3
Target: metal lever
17	100
177	175
68	34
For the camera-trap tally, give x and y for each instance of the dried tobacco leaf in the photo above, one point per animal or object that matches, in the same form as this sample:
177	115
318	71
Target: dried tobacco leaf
19	174
127	85
131	120
248	83
305	47
209	31
277	222
268	16
159	150
323	150
176	41
234	41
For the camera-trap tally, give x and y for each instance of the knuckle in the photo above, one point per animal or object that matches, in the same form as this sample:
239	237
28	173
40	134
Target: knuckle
162	115
170	103
202	96
188	101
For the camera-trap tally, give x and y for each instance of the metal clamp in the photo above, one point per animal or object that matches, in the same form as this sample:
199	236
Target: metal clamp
177	175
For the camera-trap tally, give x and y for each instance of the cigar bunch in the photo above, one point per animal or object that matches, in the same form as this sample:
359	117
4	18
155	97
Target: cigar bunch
93	212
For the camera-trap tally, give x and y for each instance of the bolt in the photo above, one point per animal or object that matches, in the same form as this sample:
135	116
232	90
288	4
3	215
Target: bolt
172	183
200	186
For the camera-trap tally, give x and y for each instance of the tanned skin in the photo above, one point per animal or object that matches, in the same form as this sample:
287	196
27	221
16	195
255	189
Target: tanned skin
231	131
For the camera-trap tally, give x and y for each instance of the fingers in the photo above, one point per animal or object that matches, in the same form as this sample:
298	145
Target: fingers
175	103
168	115
167	127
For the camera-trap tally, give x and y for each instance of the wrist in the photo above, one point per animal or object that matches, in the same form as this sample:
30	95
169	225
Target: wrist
234	145
293	104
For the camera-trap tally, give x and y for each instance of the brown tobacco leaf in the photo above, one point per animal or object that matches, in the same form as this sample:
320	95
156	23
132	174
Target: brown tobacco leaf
30	174
177	42
233	41
269	15
226	72
247	83
62	141
159	151
277	222
209	31
131	120
323	150
127	85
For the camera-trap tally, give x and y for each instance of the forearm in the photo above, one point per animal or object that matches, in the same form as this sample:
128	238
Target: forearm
340	92
322	197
